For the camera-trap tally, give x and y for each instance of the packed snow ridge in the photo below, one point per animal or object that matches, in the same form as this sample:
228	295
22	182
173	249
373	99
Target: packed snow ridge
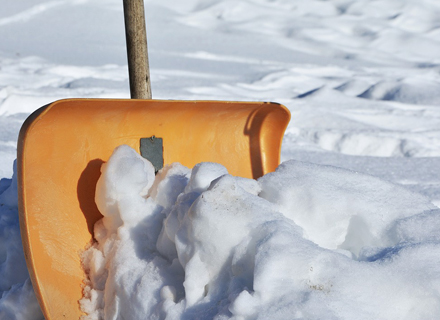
304	242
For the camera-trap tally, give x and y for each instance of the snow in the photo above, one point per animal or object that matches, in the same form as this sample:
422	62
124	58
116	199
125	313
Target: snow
347	227
298	242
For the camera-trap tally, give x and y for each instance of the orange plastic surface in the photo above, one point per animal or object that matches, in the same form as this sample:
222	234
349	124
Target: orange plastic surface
61	149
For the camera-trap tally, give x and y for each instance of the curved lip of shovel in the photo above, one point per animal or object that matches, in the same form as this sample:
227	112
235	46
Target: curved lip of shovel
62	145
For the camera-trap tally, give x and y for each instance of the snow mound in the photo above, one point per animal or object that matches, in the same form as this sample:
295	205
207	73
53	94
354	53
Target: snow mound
298	243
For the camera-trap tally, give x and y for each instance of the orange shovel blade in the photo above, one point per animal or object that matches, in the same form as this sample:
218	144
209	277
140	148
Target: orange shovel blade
60	152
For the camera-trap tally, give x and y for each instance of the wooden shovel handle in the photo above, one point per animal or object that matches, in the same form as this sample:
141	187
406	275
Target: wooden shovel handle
137	52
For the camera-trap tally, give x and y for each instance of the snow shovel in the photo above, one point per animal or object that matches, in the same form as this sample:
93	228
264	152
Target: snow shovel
62	146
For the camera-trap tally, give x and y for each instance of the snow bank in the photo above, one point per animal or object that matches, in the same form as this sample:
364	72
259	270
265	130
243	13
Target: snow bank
304	242
337	208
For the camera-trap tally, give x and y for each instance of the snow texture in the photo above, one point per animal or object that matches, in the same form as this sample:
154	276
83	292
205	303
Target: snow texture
346	228
300	242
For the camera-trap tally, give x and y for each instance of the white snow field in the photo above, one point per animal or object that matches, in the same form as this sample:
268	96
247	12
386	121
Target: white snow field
348	227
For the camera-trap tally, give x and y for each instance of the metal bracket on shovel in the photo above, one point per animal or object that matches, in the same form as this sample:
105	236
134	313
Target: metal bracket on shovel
152	150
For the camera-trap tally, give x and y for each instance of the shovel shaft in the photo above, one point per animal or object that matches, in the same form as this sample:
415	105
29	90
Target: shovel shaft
137	52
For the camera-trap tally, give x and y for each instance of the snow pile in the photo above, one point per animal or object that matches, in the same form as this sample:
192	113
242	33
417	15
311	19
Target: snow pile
15	287
304	242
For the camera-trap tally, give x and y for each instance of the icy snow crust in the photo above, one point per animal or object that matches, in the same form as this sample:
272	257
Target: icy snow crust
304	242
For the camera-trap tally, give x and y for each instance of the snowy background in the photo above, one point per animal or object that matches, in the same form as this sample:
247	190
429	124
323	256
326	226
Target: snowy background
362	81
